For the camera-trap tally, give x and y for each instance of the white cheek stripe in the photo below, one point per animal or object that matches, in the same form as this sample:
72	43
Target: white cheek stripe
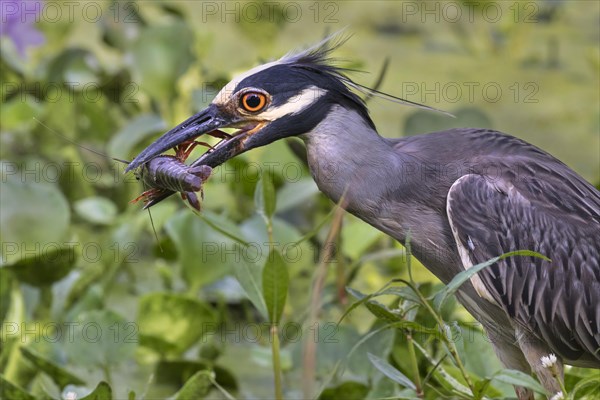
294	104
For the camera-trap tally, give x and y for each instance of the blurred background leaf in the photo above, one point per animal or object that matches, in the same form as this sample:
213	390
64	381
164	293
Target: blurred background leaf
76	256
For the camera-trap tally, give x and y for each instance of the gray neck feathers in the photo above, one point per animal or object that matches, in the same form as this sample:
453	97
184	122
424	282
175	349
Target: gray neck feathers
346	154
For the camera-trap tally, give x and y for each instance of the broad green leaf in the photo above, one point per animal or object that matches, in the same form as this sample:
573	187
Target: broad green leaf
176	320
205	255
50	265
72	66
25	226
137	130
462	277
161	54
264	196
93	273
175	373
8	390
223	225
479	355
102	338
275	282
18	113
197	387
388	370
97	210
348	391
285	237
102	392
61	376
518	378
249	277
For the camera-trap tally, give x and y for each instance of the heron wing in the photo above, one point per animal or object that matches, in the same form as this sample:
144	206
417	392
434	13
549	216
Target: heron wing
557	300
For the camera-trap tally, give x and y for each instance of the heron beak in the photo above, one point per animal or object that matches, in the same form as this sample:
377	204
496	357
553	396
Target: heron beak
207	120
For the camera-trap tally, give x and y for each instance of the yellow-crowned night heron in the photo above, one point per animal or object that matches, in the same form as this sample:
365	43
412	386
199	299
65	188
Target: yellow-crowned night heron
465	196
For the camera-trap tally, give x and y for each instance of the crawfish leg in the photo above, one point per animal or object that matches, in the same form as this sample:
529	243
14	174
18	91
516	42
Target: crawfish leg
192	199
183	150
148	195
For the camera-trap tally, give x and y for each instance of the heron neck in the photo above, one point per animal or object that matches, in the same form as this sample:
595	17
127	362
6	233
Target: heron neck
345	154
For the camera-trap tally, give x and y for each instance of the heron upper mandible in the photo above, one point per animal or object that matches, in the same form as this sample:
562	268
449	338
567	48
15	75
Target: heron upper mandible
506	195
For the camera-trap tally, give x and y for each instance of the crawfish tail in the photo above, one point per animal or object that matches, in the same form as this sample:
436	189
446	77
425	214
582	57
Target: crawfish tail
168	172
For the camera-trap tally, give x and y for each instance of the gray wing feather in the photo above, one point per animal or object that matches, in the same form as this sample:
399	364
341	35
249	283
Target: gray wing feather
550	211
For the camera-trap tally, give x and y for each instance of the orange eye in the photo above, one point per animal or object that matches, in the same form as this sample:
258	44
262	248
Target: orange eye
253	101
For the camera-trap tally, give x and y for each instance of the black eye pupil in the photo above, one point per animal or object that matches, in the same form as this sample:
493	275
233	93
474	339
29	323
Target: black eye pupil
252	101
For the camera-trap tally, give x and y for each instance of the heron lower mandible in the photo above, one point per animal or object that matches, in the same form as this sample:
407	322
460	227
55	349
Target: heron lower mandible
506	195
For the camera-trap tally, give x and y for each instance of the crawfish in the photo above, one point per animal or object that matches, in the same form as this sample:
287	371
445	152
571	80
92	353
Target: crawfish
166	174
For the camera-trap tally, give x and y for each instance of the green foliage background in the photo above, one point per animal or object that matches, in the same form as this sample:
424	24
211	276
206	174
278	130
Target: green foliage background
88	294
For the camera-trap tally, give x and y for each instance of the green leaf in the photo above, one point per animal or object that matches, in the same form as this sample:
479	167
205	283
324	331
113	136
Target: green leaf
588	385
518	378
481	387
264	195
97	210
139	128
348	391
462	277
80	288
382	312
102	392
404	292
102	338
176	320
18	113
175	373
24	224
388	370
223	225
161	54
61	376
6	292
249	277
362	298
197	387
275	282
43	269
205	255
8	390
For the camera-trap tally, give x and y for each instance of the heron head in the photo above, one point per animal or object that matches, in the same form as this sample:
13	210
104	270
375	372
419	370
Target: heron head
279	99
283	98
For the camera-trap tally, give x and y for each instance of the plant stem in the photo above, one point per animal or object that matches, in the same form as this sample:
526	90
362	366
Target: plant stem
561	383
449	344
309	361
275	332
415	365
276	361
